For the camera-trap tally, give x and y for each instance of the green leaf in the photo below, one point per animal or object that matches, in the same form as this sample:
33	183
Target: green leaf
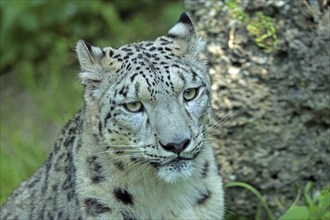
296	213
308	198
324	202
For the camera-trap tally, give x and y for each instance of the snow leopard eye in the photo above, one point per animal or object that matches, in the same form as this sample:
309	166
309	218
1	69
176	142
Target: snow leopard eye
134	106
190	94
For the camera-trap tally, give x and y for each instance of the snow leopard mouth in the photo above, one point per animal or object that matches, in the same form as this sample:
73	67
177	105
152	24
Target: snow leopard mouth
178	168
176	163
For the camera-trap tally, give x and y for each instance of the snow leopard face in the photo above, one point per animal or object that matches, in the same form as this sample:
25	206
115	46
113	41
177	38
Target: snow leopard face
148	103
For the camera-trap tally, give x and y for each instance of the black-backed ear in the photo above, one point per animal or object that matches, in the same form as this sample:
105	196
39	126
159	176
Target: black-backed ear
90	62
184	32
183	29
89	56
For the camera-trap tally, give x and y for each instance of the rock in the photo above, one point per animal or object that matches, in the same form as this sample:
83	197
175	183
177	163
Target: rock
277	133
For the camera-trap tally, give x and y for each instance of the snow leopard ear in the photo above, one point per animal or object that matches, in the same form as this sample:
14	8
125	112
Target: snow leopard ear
90	62
183	29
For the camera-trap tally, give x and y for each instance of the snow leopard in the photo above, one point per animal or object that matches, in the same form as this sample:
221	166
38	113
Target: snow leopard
138	148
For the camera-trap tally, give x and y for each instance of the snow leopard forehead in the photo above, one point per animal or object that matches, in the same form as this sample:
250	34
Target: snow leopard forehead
179	49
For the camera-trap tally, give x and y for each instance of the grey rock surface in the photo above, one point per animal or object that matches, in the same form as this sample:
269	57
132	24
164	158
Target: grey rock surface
277	133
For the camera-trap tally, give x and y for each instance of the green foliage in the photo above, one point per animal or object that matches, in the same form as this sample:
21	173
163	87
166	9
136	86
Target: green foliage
261	27
317	208
29	28
261	198
37	40
20	161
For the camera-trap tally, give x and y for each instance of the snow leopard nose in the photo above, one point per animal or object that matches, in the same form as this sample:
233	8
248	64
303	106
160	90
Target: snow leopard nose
176	147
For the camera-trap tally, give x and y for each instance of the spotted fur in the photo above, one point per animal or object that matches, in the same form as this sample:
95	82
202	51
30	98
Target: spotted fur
138	148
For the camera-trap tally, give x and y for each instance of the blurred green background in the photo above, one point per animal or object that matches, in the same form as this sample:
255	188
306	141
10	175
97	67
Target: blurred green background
38	79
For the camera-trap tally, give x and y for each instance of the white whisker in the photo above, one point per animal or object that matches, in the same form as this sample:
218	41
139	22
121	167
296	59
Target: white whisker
216	124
